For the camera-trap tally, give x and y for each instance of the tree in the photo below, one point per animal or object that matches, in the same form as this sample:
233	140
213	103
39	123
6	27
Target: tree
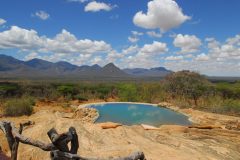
67	90
187	84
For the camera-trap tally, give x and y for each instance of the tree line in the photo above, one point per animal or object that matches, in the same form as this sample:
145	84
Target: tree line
184	88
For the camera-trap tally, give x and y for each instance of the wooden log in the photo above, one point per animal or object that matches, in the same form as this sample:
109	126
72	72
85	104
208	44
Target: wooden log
13	142
60	141
58	147
58	155
5	125
133	156
74	141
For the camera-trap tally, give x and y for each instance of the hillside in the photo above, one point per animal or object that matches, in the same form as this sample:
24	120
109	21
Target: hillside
38	68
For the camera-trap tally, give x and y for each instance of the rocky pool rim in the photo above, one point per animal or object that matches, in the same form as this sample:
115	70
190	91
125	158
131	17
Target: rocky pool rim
189	118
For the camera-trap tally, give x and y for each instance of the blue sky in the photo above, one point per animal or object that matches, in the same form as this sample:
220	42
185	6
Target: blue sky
199	35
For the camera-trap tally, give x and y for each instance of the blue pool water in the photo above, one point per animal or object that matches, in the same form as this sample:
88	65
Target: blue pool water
131	114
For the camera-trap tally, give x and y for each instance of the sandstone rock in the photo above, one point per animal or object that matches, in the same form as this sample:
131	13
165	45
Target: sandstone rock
233	125
148	127
86	114
109	125
170	142
174	128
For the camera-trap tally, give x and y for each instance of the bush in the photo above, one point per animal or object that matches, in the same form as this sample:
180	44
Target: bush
18	107
128	92
67	90
188	84
81	98
230	106
229	90
9	89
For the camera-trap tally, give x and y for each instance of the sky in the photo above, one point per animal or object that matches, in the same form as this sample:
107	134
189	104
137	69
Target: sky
197	35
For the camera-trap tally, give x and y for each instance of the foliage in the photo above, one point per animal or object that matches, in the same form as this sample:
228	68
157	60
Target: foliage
8	89
229	90
81	98
128	92
187	84
18	107
67	90
181	88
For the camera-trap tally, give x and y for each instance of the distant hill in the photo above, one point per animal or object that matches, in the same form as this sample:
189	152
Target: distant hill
153	72
38	68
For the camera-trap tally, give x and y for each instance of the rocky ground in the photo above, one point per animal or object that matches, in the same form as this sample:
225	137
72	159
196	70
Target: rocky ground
222	142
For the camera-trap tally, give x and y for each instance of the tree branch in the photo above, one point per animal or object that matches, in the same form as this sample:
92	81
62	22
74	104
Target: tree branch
59	146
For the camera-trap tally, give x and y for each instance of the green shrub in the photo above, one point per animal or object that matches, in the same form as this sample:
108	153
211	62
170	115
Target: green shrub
188	84
128	92
230	106
9	89
81	98
67	90
18	107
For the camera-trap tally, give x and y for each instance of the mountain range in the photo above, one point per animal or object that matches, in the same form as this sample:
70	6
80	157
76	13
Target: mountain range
37	68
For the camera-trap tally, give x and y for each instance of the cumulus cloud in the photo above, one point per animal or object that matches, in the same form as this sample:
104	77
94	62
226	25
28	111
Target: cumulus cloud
131	49
2	21
220	58
42	15
133	39
135	36
154	34
187	43
230	50
98	6
174	58
64	42
23	39
202	57
136	33
161	14
155	47
146	56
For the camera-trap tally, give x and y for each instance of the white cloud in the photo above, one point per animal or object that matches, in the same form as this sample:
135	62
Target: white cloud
155	47
130	50
135	36
31	56
202	57
234	41
230	50
154	34
174	58
20	38
62	43
133	39
136	33
147	56
98	6
221	59
187	43
42	15
2	21
161	14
